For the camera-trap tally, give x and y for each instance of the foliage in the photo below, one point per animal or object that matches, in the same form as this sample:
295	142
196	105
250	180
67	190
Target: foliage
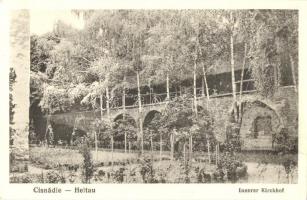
179	116
233	143
12	80
55	177
233	167
270	36
147	170
116	44
125	126
87	167
284	143
55	100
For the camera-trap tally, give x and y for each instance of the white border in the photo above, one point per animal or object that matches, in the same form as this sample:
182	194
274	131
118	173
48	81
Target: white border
158	191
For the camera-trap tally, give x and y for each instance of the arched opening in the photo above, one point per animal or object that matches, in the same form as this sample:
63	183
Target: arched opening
125	136
153	137
259	124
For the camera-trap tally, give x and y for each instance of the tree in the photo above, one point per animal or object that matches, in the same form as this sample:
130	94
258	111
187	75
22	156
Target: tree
12	80
272	33
125	127
180	120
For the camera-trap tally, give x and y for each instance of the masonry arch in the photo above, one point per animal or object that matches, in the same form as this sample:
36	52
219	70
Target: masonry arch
151	135
125	135
260	121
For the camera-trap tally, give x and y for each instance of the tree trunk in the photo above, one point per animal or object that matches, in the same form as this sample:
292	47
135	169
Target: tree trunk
194	87
208	148
124	97
167	87
184	156
191	147
101	103
216	155
101	106
125	142
161	147
112	149
172	145
202	88
233	78
293	72
241	83
140	112
109	121
96	145
124	110
206	85
151	144
108	103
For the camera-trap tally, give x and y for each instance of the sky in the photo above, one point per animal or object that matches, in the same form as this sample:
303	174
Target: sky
42	21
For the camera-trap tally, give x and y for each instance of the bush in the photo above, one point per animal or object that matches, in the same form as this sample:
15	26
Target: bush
55	177
147	171
119	175
234	168
285	143
233	143
88	166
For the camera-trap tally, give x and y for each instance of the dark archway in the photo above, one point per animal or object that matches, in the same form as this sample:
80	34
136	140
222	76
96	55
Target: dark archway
125	135
149	117
151	133
260	122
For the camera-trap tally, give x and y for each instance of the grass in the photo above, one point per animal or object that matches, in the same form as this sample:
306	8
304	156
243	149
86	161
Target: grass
52	158
266	156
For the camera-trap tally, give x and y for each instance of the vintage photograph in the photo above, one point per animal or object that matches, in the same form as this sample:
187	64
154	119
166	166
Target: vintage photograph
154	96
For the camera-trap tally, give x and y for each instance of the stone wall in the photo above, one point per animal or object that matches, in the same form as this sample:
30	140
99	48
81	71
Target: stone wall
282	108
20	61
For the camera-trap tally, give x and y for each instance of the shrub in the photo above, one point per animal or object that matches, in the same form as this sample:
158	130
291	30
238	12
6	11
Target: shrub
285	143
202	176
233	143
234	168
55	177
147	171
119	175
88	166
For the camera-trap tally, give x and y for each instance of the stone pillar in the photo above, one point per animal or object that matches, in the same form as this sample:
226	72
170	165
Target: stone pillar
20	61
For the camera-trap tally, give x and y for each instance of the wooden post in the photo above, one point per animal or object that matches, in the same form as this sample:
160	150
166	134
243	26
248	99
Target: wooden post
161	147
151	143
184	157
124	110
96	146
140	111
191	147
172	145
109	120
208	148
125	142
216	154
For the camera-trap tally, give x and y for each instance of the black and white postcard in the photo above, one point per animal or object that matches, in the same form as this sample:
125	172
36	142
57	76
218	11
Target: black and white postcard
151	100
